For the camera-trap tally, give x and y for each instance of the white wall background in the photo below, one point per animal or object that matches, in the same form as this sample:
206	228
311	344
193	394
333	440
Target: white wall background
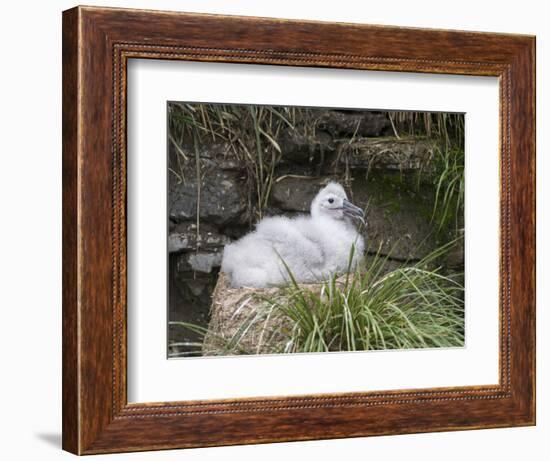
30	227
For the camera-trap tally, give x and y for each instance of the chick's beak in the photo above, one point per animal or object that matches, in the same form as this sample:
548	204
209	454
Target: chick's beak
351	210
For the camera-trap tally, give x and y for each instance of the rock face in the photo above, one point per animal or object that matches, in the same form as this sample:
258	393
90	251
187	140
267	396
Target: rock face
220	198
295	193
187	237
398	218
347	123
388	154
212	184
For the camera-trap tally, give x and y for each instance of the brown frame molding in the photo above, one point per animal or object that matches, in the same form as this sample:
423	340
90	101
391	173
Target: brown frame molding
97	43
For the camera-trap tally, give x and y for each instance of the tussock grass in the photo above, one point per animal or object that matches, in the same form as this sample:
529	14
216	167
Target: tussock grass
447	175
448	209
443	125
372	308
251	132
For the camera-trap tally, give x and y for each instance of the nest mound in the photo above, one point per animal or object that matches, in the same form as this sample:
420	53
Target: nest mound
245	321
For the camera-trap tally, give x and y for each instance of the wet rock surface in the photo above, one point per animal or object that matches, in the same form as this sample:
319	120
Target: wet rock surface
346	123
398	218
219	199
296	193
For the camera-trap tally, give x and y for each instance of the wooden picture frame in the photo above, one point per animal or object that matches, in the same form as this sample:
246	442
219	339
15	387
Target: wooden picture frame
97	43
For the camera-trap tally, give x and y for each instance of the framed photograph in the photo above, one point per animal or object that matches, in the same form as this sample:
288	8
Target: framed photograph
284	230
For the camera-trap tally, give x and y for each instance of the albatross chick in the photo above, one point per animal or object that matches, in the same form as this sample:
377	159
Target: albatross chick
313	247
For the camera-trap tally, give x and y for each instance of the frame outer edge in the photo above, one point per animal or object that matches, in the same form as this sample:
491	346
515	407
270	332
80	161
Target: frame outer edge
70	190
91	422
524	133
533	55
522	191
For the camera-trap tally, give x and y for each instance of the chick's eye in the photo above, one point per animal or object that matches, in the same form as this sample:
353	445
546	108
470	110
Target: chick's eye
330	200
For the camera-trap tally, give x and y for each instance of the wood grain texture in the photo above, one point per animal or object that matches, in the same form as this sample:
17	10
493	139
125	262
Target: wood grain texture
97	43
70	383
